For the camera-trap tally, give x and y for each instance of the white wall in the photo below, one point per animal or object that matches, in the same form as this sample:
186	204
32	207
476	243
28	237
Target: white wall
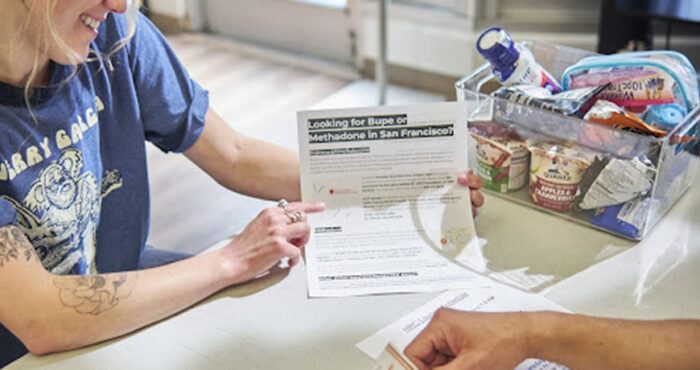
443	43
439	39
434	47
172	8
297	27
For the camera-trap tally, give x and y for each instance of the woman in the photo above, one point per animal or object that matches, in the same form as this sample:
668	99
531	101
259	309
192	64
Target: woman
81	89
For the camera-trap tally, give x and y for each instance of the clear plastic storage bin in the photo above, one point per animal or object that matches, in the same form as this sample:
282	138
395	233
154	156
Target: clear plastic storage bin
584	147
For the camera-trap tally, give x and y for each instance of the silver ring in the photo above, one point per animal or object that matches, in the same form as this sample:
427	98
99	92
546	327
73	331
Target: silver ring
282	203
294	217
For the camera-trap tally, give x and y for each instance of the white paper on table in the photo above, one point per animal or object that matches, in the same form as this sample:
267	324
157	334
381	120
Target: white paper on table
396	219
498	298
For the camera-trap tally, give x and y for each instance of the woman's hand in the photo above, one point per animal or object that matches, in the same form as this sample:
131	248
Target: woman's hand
474	183
274	234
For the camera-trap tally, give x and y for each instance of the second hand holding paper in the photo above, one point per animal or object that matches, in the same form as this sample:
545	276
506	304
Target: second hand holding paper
396	219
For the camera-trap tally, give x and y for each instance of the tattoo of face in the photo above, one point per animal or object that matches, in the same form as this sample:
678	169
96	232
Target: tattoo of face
94	294
14	246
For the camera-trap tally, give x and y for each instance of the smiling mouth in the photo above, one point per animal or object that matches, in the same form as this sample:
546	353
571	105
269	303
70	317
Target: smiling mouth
89	21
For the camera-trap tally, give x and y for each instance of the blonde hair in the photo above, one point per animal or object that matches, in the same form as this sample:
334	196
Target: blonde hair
131	14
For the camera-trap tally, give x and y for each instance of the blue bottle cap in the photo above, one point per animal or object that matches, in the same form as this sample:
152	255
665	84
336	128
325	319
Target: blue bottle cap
496	46
665	115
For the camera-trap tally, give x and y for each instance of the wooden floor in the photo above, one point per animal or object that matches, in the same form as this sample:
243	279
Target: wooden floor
189	211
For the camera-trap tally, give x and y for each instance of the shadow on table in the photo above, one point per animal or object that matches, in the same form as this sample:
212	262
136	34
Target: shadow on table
532	250
267	280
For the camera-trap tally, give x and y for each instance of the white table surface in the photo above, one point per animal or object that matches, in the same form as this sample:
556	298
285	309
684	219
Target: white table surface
271	324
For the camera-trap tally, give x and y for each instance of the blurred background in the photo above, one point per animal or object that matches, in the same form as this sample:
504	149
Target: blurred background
430	43
264	60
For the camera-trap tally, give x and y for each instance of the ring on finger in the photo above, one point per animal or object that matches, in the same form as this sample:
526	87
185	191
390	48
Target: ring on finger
282	203
294	216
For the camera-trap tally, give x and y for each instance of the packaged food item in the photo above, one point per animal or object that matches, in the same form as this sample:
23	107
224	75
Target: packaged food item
638	79
491	128
609	114
555	173
630	87
637	111
620	143
673	61
567	102
511	62
627	219
636	165
501	162
611	181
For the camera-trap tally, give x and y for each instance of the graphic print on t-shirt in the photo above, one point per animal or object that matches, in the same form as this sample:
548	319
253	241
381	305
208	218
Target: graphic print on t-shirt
59	213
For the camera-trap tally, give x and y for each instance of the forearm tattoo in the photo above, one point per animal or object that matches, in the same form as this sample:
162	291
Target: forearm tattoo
94	294
87	294
14	246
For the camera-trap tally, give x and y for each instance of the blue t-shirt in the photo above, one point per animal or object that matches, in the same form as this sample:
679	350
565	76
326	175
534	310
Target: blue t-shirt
73	172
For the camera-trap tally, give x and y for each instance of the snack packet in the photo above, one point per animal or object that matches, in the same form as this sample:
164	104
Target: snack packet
609	114
611	181
567	102
627	219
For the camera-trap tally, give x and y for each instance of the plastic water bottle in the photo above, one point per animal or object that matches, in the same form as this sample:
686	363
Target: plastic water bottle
511	62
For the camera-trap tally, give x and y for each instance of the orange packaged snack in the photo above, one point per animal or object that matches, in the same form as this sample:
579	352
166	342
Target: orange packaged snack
609	114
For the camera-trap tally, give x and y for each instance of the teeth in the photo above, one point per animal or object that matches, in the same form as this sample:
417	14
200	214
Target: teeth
90	22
